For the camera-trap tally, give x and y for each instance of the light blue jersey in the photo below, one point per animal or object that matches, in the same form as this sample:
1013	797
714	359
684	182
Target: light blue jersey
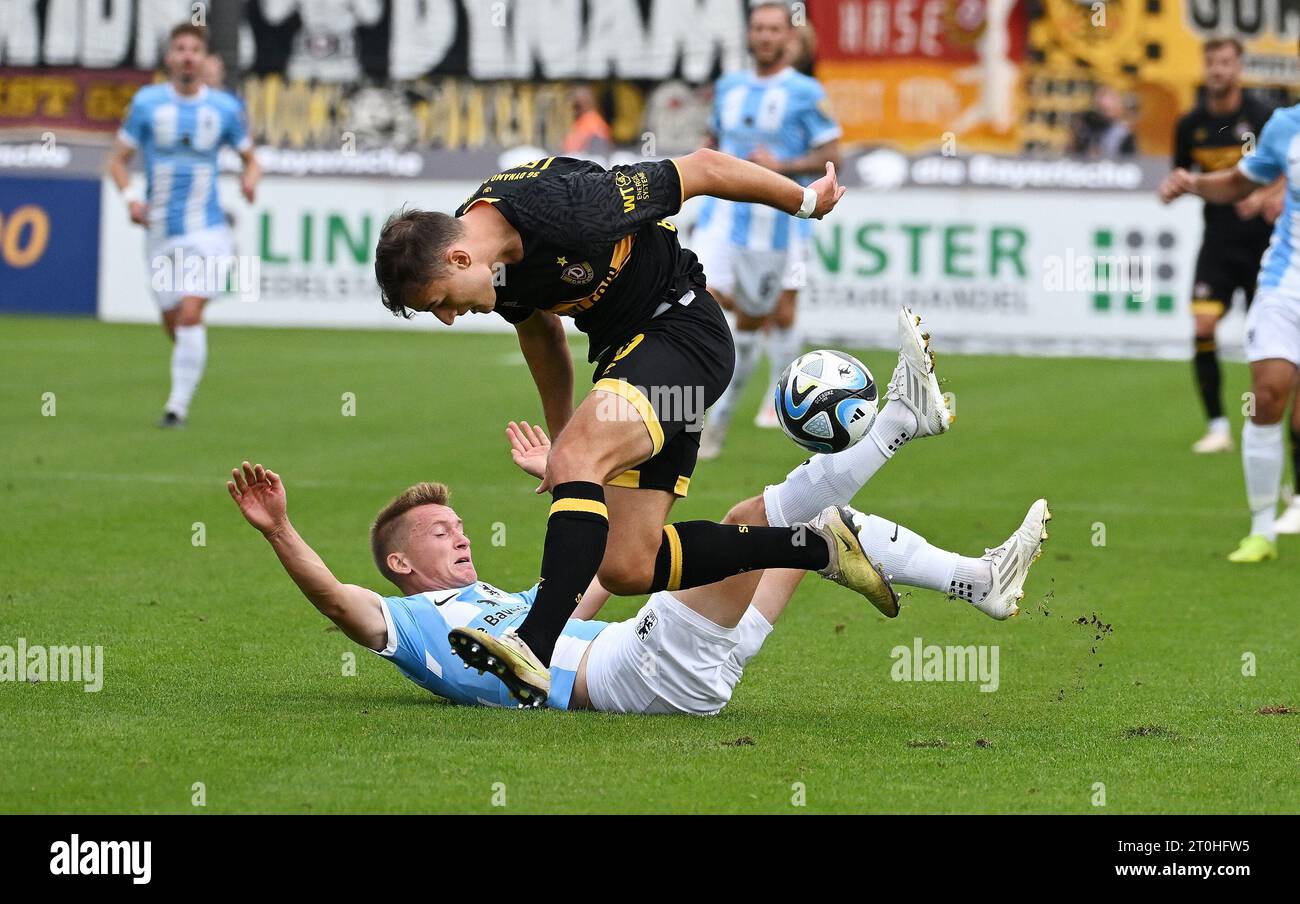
180	138
417	642
785	113
1277	153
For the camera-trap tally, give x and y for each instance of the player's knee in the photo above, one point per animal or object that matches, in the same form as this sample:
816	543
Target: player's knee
625	576
751	511
569	461
1270	402
783	316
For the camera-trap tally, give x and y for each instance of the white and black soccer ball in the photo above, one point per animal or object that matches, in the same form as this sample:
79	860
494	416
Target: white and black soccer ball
826	400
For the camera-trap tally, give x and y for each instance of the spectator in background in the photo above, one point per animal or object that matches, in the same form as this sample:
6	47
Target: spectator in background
590	134
1105	132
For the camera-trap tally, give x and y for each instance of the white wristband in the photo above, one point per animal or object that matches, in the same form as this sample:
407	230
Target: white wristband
130	196
809	204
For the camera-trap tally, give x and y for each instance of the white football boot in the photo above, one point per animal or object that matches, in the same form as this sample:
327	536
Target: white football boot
1289	521
914	382
766	418
1009	564
1213	442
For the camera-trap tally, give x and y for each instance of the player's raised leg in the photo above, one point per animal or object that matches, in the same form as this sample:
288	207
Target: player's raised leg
914	406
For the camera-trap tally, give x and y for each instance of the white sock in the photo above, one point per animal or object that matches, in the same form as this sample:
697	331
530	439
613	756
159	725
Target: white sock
1262	458
835	479
908	559
783	346
747	349
1218	425
189	355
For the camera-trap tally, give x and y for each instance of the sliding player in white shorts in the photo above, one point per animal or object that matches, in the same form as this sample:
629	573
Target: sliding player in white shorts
684	652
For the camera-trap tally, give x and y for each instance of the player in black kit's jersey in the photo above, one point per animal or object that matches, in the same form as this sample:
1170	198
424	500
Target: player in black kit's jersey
1213	137
560	236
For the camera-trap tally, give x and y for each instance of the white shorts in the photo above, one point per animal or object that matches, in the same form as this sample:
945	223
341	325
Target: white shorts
172	276
1273	327
670	659
753	279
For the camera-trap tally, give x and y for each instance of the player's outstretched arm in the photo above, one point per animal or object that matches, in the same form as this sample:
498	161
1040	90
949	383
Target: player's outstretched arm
709	172
1226	186
259	493
546	349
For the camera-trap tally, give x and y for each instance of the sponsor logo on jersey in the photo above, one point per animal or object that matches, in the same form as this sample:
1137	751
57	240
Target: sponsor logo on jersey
632	188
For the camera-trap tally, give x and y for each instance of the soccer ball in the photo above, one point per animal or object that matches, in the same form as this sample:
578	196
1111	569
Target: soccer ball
826	400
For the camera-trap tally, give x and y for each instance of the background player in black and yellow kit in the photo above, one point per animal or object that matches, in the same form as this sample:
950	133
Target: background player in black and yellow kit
1213	137
566	237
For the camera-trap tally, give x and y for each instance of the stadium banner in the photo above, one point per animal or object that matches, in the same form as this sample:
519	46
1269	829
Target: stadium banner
49	245
997	271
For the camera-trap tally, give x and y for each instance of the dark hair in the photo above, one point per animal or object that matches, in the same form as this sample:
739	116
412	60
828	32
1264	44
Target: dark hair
1215	43
383	533
189	28
411	251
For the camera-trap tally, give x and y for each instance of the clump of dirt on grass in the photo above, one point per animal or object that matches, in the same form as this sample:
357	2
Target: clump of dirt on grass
744	741
1278	711
936	743
1151	731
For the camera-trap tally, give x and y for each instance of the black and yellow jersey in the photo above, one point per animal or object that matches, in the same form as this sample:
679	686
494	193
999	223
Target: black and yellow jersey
1209	142
596	245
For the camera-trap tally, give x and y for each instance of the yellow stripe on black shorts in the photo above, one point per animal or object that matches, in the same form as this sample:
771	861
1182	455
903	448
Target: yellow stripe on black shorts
674	558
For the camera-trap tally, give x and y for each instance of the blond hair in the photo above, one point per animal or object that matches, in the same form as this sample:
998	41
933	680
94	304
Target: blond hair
387	527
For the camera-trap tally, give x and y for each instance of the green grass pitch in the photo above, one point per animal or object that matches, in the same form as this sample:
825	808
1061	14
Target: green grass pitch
217	671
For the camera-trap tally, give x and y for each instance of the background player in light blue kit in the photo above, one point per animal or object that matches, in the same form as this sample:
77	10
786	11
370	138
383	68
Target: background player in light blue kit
1273	323
755	257
180	127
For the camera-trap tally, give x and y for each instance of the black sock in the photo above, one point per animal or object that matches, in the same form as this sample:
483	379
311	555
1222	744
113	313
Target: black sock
575	544
1295	459
695	553
1206	364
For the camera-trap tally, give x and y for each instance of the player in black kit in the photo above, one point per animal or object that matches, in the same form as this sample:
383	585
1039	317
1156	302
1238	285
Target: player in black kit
564	237
1213	137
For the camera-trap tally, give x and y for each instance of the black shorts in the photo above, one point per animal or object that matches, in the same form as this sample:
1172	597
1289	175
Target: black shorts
671	371
1220	272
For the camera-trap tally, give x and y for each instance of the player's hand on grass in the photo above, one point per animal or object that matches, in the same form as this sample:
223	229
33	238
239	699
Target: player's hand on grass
139	213
829	192
529	447
260	496
1178	183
